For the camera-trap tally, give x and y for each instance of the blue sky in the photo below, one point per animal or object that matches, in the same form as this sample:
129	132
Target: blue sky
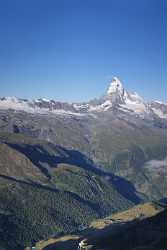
69	49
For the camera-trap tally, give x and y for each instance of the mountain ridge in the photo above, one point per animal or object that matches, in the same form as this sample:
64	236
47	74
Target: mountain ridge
116	96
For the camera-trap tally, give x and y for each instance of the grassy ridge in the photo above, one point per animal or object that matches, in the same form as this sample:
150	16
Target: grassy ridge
102	230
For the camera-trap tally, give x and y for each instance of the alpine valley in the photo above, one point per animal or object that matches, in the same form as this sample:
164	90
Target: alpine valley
63	165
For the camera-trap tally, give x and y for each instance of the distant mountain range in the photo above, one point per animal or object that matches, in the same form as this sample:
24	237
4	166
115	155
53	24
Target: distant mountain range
63	165
115	97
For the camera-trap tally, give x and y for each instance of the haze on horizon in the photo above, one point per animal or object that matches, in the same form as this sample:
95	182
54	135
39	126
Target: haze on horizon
69	50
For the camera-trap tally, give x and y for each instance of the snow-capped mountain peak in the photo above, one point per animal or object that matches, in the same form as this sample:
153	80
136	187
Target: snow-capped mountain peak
123	99
115	87
116	92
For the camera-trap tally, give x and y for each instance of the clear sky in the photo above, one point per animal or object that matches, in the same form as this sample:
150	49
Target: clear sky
69	49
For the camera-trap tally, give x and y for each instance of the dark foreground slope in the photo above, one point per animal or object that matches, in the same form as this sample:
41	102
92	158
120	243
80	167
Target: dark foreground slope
141	227
147	234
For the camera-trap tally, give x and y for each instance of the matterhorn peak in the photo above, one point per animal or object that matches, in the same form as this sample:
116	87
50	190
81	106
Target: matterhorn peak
115	87
115	92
